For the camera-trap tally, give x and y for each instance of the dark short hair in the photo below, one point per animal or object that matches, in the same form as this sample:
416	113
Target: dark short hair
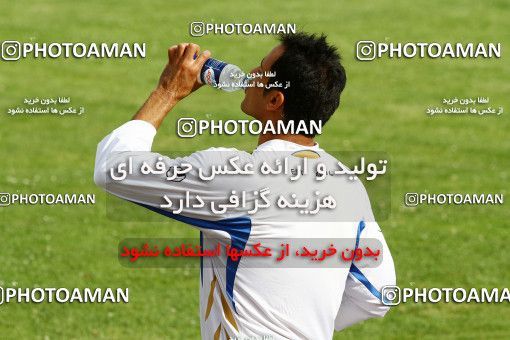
316	76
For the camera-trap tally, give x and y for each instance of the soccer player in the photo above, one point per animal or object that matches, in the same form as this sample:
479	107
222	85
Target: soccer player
239	300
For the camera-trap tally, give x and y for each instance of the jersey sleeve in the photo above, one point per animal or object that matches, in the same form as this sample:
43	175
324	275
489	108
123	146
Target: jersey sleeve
362	299
122	156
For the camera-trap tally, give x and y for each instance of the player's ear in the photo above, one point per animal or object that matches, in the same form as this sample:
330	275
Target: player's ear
274	100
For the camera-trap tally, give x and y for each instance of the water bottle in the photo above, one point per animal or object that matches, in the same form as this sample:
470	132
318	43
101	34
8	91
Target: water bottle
219	74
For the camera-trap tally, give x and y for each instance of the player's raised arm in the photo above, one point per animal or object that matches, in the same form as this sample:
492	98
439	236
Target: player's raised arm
178	80
132	141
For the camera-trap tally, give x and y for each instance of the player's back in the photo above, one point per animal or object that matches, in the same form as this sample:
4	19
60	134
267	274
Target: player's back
298	296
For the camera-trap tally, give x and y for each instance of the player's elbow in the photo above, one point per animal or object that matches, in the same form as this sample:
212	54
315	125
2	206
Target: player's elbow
387	298
382	311
384	301
100	168
376	311
353	312
100	178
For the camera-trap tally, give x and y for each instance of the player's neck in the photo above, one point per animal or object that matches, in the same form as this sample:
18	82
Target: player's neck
297	139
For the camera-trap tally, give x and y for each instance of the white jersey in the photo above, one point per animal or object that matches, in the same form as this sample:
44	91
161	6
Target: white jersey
238	300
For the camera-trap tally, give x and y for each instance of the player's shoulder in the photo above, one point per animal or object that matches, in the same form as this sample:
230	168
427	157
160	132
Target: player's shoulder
352	184
219	155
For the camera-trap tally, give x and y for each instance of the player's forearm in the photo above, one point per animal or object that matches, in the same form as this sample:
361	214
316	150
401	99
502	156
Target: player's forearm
178	80
156	107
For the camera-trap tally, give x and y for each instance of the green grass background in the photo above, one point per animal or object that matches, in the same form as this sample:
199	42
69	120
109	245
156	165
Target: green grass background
383	109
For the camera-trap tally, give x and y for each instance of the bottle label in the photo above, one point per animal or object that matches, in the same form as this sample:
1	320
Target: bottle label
211	71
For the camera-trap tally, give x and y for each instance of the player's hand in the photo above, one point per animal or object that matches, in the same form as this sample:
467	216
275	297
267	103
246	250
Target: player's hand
179	78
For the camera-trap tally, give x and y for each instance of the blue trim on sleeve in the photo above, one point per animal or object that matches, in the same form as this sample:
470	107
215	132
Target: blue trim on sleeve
361	227
363	279
357	273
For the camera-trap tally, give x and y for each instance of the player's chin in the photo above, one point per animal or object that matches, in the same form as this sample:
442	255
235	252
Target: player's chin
244	106
248	108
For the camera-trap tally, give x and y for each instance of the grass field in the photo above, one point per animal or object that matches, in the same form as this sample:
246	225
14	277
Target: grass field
383	109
